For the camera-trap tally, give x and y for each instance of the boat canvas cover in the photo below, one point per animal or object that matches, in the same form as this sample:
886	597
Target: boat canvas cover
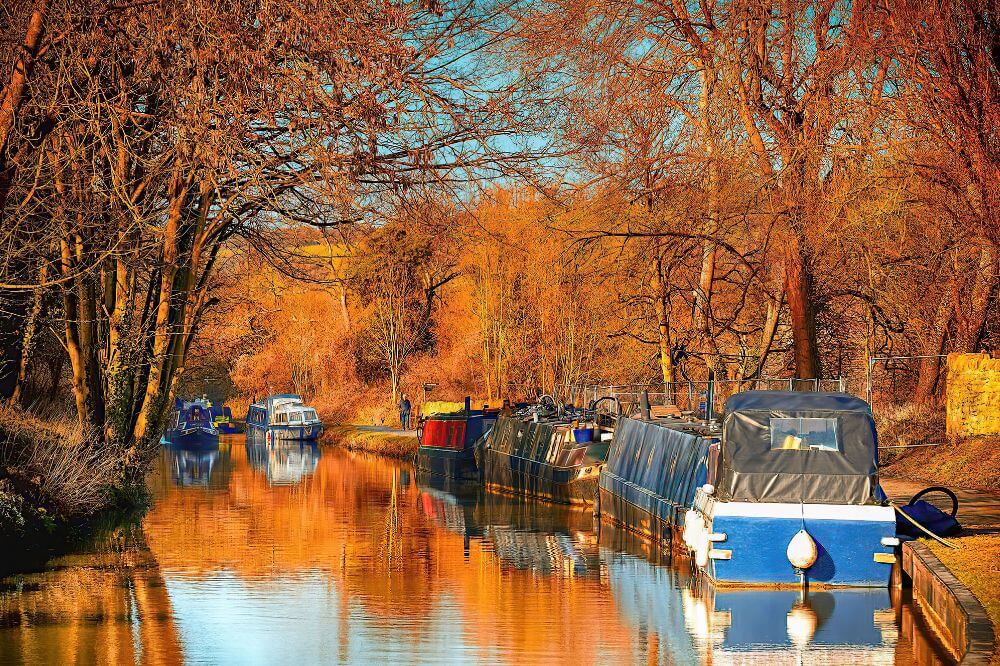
753	470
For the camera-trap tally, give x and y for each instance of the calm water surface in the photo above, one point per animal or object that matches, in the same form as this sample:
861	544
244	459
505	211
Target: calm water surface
298	554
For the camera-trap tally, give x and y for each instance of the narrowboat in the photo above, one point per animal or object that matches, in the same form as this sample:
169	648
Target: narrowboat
793	496
282	418
222	419
784	491
190	426
542	455
448	442
652	471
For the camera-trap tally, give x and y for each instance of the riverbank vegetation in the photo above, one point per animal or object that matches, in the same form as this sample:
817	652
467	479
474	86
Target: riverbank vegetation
54	479
374	439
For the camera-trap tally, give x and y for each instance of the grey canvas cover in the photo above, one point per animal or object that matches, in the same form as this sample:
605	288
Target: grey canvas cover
751	470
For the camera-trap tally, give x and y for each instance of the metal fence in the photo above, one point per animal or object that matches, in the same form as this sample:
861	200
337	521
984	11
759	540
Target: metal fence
688	396
892	380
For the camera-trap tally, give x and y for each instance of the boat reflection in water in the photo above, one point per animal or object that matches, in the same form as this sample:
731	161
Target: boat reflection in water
199	467
545	539
285	463
708	624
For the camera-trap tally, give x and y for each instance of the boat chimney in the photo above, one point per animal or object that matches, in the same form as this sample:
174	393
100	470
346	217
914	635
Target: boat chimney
710	397
644	405
468	405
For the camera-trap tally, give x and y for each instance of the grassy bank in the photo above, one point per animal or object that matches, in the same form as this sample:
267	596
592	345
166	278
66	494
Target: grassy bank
977	565
969	463
54	482
373	439
972	462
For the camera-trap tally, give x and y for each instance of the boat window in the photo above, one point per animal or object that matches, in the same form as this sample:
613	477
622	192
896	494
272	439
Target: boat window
310	414
281	417
295	417
802	434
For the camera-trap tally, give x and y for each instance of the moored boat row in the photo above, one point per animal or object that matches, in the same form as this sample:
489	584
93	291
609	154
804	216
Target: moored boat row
544	450
782	490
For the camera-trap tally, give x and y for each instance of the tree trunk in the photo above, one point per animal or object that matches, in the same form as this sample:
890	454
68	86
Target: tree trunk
799	293
81	385
345	314
929	367
28	339
659	297
14	91
160	361
767	333
706	279
977	306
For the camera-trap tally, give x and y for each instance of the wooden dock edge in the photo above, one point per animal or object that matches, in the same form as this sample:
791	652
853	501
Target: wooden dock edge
950	605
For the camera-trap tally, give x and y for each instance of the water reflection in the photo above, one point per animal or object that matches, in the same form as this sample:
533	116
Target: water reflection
106	604
191	467
197	467
340	557
283	463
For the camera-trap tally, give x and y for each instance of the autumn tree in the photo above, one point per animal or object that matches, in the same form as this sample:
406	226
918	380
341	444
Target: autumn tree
226	122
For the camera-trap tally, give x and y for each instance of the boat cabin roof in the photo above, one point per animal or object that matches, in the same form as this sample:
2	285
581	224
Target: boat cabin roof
271	402
790	446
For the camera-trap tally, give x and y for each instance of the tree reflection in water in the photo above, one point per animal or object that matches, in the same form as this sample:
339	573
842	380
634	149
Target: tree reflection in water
305	556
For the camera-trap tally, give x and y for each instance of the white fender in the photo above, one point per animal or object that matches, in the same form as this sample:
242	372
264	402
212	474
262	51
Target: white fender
802	552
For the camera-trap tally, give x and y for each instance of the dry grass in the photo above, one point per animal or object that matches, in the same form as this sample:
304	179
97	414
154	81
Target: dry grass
967	463
391	443
904	425
971	462
52	464
977	565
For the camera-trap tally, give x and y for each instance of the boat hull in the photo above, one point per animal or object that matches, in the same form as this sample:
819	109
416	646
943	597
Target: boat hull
229	429
651	477
753	539
192	438
563	485
458	464
259	434
653	521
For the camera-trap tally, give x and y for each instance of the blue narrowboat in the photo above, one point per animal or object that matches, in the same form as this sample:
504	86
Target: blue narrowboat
783	492
282	418
448	442
222	418
793	496
190	426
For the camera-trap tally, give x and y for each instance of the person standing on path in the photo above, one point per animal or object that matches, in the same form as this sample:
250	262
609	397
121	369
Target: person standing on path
404	412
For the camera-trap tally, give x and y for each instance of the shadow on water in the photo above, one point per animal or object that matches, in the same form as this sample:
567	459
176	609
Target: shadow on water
295	554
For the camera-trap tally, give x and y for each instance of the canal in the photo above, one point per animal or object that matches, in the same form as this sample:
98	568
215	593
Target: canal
300	554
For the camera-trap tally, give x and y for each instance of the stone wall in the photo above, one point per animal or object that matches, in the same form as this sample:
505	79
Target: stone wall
973	395
950	608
